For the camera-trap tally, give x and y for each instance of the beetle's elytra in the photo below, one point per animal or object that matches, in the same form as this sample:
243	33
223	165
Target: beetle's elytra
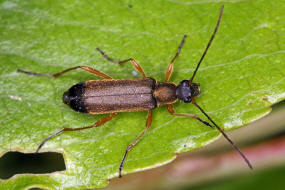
111	96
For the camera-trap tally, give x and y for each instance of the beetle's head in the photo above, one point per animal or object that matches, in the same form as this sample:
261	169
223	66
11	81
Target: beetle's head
185	91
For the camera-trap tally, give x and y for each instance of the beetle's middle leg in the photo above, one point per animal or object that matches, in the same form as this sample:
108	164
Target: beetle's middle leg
133	61
97	124
148	123
171	64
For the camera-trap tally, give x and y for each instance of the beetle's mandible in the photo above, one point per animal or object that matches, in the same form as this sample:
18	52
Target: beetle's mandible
111	96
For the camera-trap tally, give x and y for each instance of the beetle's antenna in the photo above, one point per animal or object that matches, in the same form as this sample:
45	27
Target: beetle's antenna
209	44
224	134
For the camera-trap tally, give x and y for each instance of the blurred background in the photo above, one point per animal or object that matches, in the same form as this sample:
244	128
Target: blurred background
216	166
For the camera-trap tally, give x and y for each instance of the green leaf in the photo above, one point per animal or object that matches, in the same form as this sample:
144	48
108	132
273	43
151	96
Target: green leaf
241	77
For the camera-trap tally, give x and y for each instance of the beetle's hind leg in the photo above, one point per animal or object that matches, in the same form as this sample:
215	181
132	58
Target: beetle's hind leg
148	124
97	124
135	63
85	68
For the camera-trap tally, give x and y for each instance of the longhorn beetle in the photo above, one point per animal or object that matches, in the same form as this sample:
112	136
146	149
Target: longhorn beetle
111	96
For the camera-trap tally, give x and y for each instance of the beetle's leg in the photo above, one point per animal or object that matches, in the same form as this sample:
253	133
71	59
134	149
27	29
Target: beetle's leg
171	111
85	68
148	123
97	124
170	66
133	61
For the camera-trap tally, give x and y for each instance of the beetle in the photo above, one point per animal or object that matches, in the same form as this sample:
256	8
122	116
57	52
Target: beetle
111	96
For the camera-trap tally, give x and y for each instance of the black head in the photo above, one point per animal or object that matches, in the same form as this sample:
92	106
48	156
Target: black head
185	91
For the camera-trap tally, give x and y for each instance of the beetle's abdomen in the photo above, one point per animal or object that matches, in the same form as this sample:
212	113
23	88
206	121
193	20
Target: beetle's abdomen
108	96
74	97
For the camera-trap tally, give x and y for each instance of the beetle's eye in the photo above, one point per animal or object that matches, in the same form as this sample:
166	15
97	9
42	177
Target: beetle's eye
185	83
187	99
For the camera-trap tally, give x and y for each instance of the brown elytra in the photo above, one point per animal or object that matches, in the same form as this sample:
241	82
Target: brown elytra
126	95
